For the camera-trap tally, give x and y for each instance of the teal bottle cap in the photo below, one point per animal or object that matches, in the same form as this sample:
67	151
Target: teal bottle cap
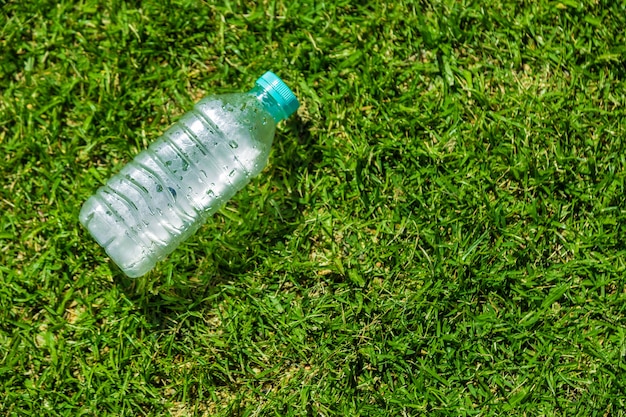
279	91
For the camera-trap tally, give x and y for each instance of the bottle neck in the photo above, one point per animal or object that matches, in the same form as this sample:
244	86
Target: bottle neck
269	103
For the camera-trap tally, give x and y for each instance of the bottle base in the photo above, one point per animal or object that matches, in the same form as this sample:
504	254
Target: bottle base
123	250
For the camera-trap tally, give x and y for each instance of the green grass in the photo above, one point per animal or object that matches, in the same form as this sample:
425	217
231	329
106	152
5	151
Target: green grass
440	230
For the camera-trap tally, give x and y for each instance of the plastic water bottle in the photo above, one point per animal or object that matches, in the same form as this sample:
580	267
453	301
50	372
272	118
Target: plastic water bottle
169	190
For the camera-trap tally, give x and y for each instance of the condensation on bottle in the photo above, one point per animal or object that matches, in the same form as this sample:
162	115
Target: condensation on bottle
169	190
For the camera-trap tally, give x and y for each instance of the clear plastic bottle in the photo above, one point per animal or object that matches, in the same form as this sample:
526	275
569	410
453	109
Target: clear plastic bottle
167	192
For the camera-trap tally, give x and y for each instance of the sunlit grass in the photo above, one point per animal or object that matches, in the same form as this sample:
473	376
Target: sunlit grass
439	230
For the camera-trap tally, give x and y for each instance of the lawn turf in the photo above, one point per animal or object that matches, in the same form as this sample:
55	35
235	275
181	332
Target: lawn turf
440	230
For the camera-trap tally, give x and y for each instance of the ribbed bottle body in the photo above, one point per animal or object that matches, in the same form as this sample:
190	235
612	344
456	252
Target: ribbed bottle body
167	192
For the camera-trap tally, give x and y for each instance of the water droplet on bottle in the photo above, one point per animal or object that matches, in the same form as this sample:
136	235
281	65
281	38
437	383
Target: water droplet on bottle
210	193
159	188
233	144
264	121
172	191
203	172
185	166
168	163
231	173
109	213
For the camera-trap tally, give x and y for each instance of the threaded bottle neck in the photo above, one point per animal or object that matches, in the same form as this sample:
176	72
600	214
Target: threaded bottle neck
269	103
275	96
